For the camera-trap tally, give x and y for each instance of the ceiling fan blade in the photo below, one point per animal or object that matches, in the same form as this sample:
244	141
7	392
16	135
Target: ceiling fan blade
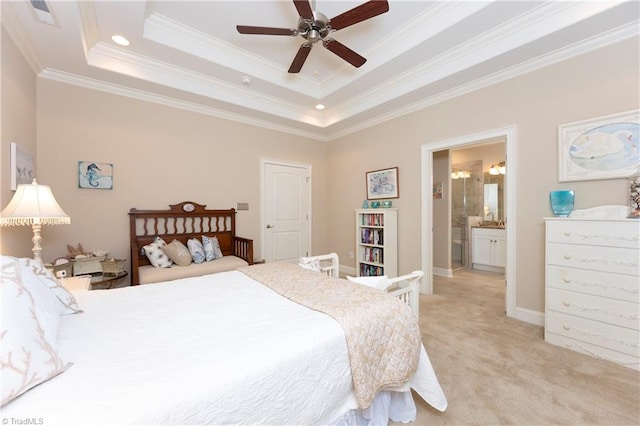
359	13
247	29
344	52
301	56
304	9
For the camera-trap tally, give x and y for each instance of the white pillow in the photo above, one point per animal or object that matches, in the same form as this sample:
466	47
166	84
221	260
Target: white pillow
46	278
196	249
215	246
156	256
380	282
209	250
30	320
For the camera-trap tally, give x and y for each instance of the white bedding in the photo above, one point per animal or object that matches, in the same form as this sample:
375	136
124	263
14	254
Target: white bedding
250	357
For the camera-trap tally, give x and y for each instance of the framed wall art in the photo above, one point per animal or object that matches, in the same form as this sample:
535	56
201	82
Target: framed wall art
22	170
95	175
600	148
383	184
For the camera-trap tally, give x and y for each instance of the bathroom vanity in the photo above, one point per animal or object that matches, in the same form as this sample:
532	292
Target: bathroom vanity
489	248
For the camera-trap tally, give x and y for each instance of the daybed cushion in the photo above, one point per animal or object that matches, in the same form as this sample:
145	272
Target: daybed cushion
149	274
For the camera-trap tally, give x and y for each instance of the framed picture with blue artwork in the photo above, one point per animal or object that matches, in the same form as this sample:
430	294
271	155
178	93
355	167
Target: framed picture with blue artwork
383	184
94	175
600	148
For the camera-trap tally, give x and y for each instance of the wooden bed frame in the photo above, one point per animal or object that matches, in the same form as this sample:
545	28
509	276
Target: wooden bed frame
181	222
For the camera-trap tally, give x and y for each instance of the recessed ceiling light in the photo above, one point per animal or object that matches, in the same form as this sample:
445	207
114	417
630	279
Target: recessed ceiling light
320	107
121	40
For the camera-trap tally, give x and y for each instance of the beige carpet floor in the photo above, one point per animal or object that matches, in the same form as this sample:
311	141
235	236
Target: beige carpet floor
496	370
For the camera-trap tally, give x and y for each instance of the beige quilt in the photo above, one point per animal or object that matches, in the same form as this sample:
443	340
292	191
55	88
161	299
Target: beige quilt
383	336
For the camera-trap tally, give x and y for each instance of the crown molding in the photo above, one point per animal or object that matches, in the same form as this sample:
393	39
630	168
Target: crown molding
611	37
123	62
168	32
11	23
89	32
118	90
543	20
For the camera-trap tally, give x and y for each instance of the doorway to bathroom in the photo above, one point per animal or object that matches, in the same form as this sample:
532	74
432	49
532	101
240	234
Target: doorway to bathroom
436	172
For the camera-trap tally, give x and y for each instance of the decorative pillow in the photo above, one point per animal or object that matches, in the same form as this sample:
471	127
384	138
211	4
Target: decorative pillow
380	282
178	253
216	247
156	256
196	249
209	250
46	278
313	265
29	324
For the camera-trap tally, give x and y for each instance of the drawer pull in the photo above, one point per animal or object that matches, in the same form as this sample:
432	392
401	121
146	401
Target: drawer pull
566	327
567	233
566	279
567	256
565	303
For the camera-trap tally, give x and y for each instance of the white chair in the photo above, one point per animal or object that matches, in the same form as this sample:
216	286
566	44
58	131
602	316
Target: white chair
405	287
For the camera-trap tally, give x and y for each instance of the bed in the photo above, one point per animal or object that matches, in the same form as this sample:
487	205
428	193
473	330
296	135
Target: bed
182	222
226	348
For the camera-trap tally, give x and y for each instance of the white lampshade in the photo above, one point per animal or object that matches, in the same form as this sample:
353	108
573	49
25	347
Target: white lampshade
34	205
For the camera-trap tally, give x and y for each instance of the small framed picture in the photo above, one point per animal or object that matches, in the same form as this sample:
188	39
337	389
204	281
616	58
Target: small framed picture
94	175
382	184
599	148
22	170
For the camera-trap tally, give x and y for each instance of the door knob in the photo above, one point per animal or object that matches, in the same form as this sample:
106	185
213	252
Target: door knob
269	226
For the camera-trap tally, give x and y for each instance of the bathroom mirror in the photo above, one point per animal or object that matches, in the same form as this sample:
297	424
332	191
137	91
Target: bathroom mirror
493	197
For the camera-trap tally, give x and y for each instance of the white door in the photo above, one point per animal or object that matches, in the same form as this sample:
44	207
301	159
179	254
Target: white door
287	210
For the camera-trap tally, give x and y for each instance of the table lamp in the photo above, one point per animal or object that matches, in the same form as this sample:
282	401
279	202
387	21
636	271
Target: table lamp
34	205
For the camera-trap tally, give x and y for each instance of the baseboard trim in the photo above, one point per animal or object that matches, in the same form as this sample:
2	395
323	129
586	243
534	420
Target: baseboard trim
532	317
443	272
347	270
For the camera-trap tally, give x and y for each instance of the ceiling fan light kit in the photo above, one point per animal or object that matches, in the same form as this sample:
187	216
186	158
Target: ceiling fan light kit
315	27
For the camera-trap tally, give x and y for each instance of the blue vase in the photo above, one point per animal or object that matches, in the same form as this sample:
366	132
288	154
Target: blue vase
561	202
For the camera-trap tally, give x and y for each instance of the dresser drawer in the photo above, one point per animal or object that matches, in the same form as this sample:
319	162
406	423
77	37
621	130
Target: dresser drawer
625	314
593	350
606	284
609	259
595	233
597	333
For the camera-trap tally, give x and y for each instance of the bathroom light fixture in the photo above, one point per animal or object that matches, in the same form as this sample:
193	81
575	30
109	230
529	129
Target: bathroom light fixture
121	40
34	205
462	174
320	107
498	169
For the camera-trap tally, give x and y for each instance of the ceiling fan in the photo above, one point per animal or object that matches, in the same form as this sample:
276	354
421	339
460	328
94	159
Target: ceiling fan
314	27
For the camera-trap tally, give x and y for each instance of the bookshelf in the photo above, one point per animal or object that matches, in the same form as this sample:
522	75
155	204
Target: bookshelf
377	242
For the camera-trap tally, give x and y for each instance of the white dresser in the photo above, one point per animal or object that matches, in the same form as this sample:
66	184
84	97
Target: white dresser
592	291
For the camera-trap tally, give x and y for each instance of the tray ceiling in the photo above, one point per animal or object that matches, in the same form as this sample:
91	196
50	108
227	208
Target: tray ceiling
189	54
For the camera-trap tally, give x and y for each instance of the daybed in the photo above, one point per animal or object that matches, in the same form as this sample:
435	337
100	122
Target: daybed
229	348
181	222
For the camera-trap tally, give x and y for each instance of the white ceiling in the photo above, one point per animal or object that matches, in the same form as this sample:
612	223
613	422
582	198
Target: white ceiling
189	54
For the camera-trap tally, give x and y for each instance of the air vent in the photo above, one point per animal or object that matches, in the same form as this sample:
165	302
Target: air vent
42	12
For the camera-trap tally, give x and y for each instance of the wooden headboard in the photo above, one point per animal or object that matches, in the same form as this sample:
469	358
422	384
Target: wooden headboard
181	222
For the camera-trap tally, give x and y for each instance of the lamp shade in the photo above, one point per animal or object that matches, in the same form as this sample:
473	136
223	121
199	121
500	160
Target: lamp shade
33	204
